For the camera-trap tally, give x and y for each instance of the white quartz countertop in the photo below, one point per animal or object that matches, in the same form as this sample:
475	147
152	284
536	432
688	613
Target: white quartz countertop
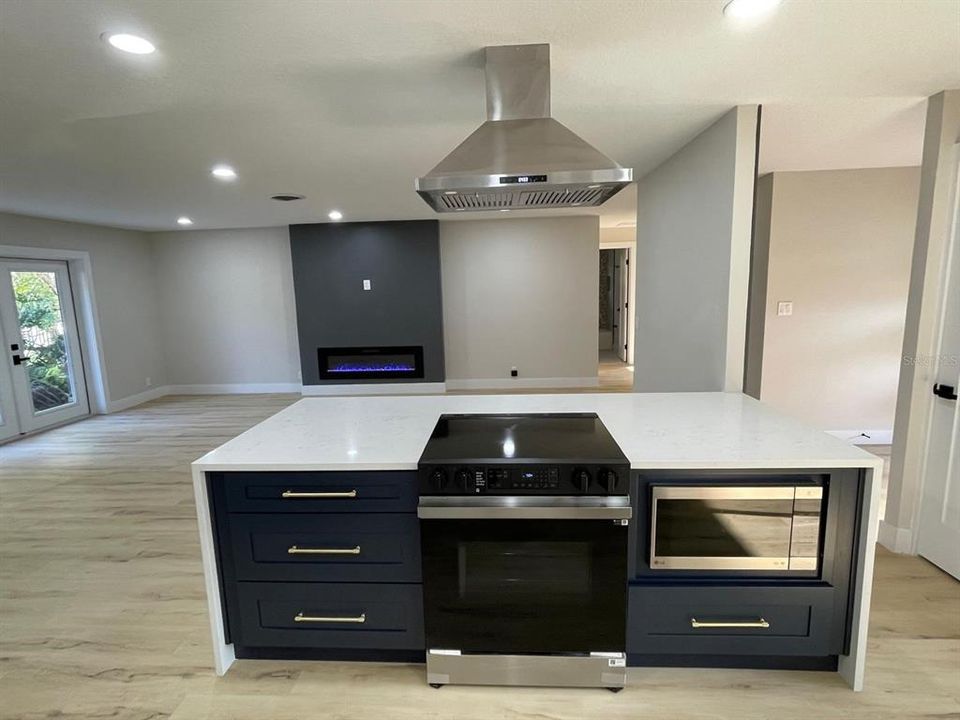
654	430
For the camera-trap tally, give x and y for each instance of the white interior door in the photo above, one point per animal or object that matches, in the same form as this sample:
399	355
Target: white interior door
41	344
938	529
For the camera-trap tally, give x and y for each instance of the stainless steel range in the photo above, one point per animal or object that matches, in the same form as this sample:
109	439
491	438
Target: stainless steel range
524	541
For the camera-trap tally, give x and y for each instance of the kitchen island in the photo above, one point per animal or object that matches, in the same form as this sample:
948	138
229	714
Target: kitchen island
380	439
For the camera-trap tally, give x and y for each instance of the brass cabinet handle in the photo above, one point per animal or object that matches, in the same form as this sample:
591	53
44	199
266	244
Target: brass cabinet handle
338	494
295	550
761	623
300	617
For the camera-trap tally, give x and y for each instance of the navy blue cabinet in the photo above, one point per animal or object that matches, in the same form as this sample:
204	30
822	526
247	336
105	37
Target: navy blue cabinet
327	565
732	620
331	615
350	547
744	618
320	564
321	492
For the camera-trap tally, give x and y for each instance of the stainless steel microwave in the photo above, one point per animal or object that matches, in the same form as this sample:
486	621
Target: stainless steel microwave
756	527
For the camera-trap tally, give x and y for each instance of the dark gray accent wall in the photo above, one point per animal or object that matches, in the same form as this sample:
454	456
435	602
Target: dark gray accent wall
404	307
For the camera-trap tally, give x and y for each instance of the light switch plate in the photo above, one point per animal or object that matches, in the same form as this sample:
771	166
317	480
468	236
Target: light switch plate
367	285
784	308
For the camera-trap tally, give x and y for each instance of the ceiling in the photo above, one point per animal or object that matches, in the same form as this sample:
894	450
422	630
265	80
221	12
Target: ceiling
347	102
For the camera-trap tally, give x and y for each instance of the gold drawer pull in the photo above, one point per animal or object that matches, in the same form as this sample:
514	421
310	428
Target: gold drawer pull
340	494
300	617
761	623
295	550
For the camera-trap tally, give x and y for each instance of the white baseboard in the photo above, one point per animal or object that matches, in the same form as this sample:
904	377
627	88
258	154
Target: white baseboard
864	437
425	388
233	389
895	539
521	383
133	400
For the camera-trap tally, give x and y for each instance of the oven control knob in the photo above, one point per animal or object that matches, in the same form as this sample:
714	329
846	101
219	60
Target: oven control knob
462	480
609	481
581	479
438	479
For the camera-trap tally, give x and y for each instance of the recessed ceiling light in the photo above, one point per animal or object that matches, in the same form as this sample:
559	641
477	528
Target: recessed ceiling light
335	215
184	220
224	172
129	43
748	9
504	209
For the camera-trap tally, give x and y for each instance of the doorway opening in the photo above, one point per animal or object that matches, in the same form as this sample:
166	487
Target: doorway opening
42	380
614	331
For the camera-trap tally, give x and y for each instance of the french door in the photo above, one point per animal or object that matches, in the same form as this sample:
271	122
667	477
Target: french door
41	374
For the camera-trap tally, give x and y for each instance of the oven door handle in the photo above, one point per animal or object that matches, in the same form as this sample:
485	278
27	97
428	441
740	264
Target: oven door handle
525	508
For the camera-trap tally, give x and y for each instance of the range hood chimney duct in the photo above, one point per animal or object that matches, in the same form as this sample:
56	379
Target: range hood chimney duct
521	158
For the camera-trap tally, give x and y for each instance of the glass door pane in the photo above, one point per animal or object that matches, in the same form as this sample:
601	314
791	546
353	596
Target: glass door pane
44	343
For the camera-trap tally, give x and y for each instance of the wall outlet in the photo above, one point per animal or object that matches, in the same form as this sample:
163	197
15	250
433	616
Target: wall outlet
367	285
784	308
148	381
513	372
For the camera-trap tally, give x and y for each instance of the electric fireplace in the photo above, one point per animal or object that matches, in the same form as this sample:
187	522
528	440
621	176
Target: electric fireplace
371	363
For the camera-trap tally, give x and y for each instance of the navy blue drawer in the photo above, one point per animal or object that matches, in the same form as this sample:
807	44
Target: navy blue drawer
321	492
726	620
326	547
330	615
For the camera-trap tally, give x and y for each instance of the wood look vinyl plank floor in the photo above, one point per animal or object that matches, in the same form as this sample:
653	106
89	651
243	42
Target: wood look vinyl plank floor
102	611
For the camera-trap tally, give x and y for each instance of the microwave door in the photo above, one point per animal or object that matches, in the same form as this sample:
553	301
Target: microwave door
716	528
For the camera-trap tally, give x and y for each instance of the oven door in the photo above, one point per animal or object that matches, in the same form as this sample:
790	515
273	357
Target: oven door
525	575
759	528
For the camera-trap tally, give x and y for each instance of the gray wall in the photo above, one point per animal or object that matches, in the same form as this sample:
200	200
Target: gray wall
523	293
839	248
694	217
402	261
125	287
227	309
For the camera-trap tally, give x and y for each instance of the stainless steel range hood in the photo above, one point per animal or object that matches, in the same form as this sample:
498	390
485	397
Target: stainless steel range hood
521	158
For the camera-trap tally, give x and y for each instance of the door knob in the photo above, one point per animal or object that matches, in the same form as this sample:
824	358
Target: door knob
17	360
948	392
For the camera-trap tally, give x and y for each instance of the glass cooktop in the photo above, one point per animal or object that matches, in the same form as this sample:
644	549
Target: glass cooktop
563	438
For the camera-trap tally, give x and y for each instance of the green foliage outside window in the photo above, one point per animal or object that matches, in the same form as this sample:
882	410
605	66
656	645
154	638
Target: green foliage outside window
39	312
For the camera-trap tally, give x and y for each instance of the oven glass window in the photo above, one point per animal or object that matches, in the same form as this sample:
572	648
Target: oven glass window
525	586
731	528
550	573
